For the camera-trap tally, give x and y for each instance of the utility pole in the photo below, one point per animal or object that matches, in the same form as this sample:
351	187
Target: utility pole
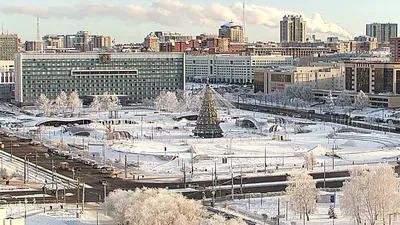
83	197
265	160
77	192
233	190
279	209
126	166
324	174
184	175
241	179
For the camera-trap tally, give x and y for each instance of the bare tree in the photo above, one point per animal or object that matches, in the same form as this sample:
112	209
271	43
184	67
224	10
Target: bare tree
302	193
371	194
167	102
96	103
115	105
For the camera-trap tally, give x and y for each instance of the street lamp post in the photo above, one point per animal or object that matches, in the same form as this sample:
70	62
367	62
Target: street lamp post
25	167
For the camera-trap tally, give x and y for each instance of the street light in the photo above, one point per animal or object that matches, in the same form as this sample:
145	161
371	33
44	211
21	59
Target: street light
25	166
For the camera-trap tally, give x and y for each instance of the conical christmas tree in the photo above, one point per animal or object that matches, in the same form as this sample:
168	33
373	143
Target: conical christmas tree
207	125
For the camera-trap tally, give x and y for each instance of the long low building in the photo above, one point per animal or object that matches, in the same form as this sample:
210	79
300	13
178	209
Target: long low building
132	76
233	69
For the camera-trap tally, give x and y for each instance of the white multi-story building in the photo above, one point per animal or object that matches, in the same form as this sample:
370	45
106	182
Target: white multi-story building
232	69
322	78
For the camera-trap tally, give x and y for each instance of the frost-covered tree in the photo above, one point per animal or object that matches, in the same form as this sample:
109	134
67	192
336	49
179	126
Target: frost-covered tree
105	102
361	101
167	102
298	91
43	104
74	102
310	161
115	106
344	99
156	206
371	194
61	102
189	102
329	104
302	193
96	103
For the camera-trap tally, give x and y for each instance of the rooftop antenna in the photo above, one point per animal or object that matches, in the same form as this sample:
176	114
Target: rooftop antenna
2	28
38	29
244	20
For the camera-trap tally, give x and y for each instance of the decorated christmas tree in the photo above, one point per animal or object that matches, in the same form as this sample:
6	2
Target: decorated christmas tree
207	125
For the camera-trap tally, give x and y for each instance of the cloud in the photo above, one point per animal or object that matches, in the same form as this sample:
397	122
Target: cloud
175	12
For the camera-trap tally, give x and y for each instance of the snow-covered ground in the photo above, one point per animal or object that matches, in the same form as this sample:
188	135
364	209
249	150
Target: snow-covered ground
159	139
256	206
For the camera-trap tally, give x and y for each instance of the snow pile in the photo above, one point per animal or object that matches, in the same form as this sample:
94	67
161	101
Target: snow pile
350	143
318	150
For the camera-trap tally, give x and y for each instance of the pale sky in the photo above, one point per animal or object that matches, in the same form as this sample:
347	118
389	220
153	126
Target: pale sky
131	20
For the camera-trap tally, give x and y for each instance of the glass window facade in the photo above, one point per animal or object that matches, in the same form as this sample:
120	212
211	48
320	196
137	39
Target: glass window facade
383	80
363	79
134	77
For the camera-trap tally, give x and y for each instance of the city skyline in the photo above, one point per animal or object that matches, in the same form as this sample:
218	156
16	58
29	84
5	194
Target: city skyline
129	21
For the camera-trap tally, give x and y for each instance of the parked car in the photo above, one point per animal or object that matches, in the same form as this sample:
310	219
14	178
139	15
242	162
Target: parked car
15	145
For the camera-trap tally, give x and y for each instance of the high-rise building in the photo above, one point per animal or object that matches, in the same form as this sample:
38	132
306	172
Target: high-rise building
233	31
131	76
382	31
395	49
33	46
82	41
293	29
8	46
372	77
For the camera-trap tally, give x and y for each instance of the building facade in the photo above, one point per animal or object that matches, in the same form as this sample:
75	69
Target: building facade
8	46
233	31
292	29
382	31
395	49
372	77
296	52
33	46
152	42
270	80
232	69
132	76
324	78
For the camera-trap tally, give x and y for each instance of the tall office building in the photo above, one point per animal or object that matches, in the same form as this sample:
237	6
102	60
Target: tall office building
382	31
131	76
234	32
293	29
8	46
